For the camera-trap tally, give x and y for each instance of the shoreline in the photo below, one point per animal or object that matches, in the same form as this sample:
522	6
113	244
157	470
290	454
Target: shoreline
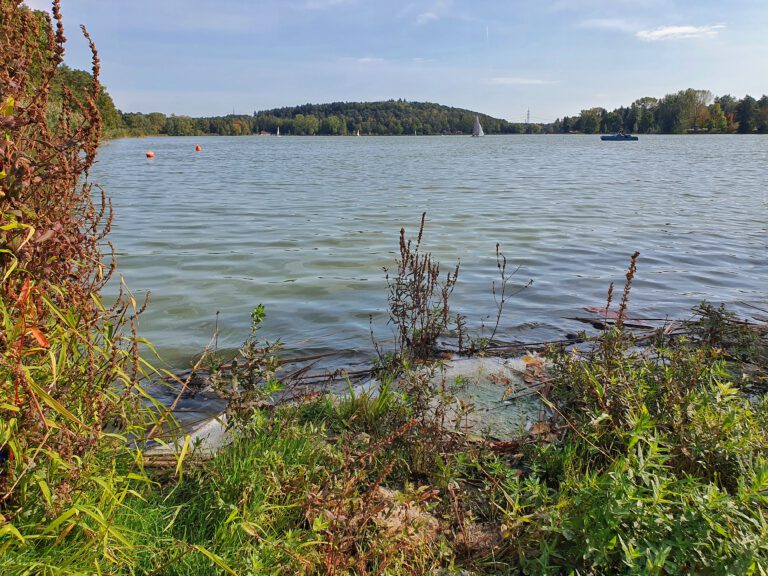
493	135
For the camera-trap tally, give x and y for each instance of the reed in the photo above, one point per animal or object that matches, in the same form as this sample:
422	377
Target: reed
418	298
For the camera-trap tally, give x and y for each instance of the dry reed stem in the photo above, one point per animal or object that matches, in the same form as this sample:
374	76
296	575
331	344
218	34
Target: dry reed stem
627	288
53	229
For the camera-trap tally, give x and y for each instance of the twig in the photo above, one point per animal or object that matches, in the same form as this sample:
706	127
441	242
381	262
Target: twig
184	386
549	403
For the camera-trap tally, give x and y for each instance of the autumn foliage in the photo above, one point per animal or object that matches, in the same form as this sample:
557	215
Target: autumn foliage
63	357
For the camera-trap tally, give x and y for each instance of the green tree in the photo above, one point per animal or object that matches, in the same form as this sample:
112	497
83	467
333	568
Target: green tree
334	125
613	122
762	114
717	121
157	120
590	120
79	82
180	126
672	113
746	114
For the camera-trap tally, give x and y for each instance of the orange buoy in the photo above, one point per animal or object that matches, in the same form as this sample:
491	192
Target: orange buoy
150	154
198	148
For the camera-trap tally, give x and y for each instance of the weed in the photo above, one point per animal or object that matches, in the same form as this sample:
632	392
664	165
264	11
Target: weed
69	365
656	466
500	298
418	299
250	379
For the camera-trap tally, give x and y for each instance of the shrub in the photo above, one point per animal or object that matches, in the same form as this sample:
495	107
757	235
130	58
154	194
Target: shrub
68	364
660	468
418	299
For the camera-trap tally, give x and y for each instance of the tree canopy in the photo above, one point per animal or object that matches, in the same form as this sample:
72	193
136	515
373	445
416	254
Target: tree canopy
391	117
687	111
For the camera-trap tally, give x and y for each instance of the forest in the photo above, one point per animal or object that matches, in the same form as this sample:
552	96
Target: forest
684	112
392	117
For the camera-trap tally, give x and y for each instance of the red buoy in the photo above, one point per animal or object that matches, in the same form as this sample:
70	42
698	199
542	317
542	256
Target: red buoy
150	154
198	148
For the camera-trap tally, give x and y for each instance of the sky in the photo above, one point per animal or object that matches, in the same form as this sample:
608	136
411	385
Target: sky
498	57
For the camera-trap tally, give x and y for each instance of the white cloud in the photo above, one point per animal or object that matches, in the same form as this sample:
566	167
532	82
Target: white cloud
514	81
426	17
323	4
436	10
616	24
38	4
679	32
364	60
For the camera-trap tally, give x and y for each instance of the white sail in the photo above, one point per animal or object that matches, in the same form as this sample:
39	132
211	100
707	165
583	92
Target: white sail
477	130
278	130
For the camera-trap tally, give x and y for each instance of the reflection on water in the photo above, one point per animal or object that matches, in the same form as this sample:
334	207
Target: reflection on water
305	225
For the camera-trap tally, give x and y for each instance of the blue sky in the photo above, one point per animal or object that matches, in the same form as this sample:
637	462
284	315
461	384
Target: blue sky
500	57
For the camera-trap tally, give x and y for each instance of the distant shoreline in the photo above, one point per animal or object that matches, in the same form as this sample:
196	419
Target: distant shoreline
110	137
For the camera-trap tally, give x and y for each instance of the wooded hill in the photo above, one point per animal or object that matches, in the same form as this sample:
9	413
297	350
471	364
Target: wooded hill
687	111
391	117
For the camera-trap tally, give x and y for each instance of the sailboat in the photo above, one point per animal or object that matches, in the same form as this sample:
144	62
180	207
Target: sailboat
278	130
477	130
358	133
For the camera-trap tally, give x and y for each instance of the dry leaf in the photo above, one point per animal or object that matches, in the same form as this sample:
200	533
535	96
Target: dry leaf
533	360
40	337
540	428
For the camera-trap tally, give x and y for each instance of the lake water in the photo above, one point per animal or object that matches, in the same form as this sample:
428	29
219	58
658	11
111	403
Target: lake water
305	225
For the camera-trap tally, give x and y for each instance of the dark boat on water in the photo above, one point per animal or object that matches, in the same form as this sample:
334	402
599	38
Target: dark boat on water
620	137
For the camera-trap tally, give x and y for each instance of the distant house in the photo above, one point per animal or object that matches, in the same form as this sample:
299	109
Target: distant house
265	133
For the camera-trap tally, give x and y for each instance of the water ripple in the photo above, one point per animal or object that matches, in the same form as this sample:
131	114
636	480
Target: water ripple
305	225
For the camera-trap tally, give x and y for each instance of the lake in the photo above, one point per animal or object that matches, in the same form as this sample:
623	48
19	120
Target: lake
305	225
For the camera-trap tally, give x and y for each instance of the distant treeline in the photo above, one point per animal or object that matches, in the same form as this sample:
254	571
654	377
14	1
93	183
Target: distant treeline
687	111
393	117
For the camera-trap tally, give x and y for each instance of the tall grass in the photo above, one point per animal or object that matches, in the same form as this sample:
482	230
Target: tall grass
69	365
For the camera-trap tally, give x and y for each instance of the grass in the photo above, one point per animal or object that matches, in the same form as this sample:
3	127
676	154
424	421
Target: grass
661	466
299	491
655	461
655	464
